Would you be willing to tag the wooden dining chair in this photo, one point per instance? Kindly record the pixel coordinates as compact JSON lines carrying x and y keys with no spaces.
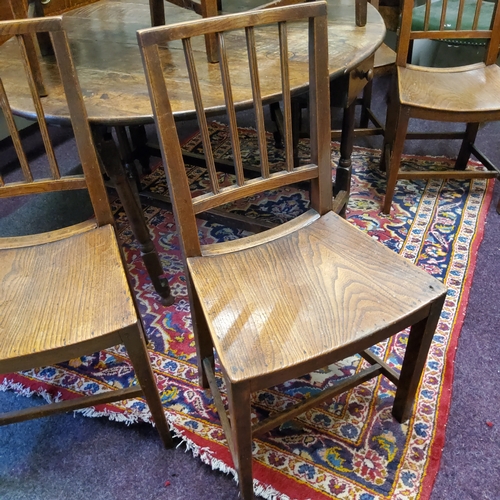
{"x":302,"y":295}
{"x":65,"y":293}
{"x":465,"y":94}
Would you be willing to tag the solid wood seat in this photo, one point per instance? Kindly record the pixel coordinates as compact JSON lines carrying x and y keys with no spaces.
{"x":51,"y":273}
{"x":468,"y":94}
{"x":65,"y":294}
{"x":328,"y":305}
{"x":467,"y":89}
{"x":384,"y":57}
{"x":279,"y":304}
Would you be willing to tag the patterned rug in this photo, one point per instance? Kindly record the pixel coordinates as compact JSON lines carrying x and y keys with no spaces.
{"x":351,"y":447}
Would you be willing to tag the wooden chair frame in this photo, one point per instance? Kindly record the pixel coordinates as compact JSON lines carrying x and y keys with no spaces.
{"x":43,"y":341}
{"x":433,"y":98}
{"x":247,"y":296}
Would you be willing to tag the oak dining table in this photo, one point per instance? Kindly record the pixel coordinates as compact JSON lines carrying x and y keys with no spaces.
{"x":104,"y":47}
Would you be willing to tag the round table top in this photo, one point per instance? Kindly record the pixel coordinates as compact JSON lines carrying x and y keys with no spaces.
{"x":104,"y":46}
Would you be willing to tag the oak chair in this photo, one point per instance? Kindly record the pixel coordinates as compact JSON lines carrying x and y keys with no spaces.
{"x":118,"y":157}
{"x":466,"y":94}
{"x":302,"y":295}
{"x":65,"y":293}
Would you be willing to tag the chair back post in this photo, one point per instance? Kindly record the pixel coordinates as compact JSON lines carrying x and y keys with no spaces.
{"x":319,"y":109}
{"x":170,"y":146}
{"x":403,"y":45}
{"x":492,"y":49}
{"x":81,"y":127}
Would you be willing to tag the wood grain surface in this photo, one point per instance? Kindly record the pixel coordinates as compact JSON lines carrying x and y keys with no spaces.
{"x":35,"y":276}
{"x":104,"y":46}
{"x":328,"y":302}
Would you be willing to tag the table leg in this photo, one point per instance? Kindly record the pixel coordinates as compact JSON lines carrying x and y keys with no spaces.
{"x":344,"y":168}
{"x":128,"y":159}
{"x":140,"y":146}
{"x":110,"y":157}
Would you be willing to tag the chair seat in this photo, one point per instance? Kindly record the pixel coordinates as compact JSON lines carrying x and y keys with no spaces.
{"x":338,"y":296}
{"x":385,"y":57}
{"x":453,"y":89}
{"x":73,"y":290}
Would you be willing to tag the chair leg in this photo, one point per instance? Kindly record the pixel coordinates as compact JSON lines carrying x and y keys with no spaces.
{"x":419,"y":341}
{"x":136,"y":347}
{"x":277,"y":119}
{"x":400,"y":127}
{"x":465,"y":149}
{"x":296,"y":128}
{"x":344,"y":168}
{"x":241,"y":430}
{"x":202,"y":338}
{"x":365,"y":104}
{"x":390,"y":121}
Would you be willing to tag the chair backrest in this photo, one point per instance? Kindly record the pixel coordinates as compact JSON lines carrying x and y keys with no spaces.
{"x":450,"y":24}
{"x":53,"y":180}
{"x":277,"y":22}
{"x":11,"y":10}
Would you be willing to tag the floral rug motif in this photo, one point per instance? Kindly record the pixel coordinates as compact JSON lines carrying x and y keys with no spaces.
{"x":350,"y":447}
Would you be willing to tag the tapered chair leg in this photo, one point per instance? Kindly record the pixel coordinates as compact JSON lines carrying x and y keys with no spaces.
{"x":136,"y":347}
{"x":465,"y":149}
{"x":419,"y":341}
{"x":241,"y":433}
{"x":202,"y":338}
{"x":366,"y":104}
{"x":401,"y":126}
{"x":390,"y":122}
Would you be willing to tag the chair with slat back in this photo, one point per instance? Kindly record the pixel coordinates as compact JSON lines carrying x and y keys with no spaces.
{"x":297,"y":297}
{"x":105,"y":142}
{"x":466,"y":94}
{"x":65,"y":293}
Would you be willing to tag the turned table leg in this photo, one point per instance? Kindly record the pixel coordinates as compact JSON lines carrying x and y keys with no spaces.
{"x":110,"y":157}
{"x":344,"y":168}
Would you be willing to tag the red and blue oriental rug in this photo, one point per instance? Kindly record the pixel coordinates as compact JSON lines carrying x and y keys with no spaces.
{"x":351,"y":447}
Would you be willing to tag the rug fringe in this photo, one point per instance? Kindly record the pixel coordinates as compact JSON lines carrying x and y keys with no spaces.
{"x":21,"y":390}
{"x":204,"y":454}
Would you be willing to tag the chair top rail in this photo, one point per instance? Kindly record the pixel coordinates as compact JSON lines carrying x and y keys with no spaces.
{"x":198,"y":27}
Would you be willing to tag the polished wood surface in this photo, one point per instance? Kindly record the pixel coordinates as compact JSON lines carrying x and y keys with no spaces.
{"x":66,"y":293}
{"x":113,"y":81}
{"x":468,"y":94}
{"x":302,"y":295}
{"x":478,"y":89}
